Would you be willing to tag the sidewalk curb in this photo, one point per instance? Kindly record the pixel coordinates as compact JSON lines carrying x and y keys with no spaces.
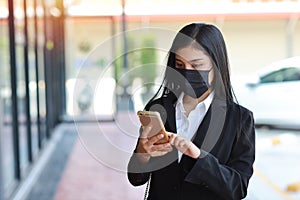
{"x":27,"y":185}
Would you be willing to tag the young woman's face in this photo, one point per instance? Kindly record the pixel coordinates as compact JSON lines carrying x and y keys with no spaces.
{"x":193,"y":59}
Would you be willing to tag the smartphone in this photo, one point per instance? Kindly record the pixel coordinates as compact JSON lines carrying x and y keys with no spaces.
{"x":153,"y":118}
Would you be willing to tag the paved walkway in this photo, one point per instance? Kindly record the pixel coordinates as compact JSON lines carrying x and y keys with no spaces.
{"x":96,"y":169}
{"x":90,"y":162}
{"x":87,"y":179}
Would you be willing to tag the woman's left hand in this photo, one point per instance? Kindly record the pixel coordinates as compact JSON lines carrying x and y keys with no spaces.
{"x":184,"y":145}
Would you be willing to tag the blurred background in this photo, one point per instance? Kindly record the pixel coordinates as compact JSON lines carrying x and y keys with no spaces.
{"x":73,"y":73}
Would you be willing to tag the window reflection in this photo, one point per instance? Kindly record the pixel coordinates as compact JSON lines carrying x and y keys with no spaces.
{"x":85,"y":63}
{"x":41,"y":71}
{"x":33,"y":109}
{"x":6,"y":138}
{"x":282,"y":75}
{"x":21,"y":84}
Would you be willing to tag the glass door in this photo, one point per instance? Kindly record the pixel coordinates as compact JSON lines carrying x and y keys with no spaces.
{"x":20,"y":45}
{"x":7,"y":160}
{"x":40,"y":70}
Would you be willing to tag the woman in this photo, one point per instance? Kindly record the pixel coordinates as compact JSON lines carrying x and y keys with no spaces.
{"x":211,"y":149}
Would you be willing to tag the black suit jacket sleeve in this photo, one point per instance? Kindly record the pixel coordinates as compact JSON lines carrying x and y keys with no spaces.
{"x":137,"y":170}
{"x":229,"y":180}
{"x":137,"y":174}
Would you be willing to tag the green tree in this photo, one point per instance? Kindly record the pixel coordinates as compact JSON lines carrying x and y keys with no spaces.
{"x":148,"y":59}
{"x":141,"y":59}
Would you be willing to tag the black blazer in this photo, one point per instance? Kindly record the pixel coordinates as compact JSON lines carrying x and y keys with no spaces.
{"x":226,"y":137}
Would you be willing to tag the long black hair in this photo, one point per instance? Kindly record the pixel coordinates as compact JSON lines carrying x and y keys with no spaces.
{"x":209,"y":39}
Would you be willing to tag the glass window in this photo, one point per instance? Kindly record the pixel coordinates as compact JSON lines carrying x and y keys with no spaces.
{"x":85,"y":62}
{"x":277,"y":76}
{"x":21,"y":84}
{"x":6,"y":138}
{"x":286,"y":74}
{"x":292,"y":74}
{"x":32,"y":76}
{"x":41,"y":71}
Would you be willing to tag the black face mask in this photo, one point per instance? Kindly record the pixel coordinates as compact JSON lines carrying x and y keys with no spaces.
{"x":192,"y":82}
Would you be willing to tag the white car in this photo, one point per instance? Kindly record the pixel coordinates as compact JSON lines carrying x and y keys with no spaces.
{"x":274,"y":95}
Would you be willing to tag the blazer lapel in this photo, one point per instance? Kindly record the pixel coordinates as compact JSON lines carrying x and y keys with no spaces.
{"x":210,"y":128}
{"x":212,"y":125}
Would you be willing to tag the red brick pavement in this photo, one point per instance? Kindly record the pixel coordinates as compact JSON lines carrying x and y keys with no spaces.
{"x":96,"y":169}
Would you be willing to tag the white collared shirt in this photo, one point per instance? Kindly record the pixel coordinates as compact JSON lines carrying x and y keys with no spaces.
{"x":188,"y":126}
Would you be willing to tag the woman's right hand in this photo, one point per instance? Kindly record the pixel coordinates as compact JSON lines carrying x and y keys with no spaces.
{"x":147,"y":148}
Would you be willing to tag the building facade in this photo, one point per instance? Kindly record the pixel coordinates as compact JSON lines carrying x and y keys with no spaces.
{"x":45,"y":45}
